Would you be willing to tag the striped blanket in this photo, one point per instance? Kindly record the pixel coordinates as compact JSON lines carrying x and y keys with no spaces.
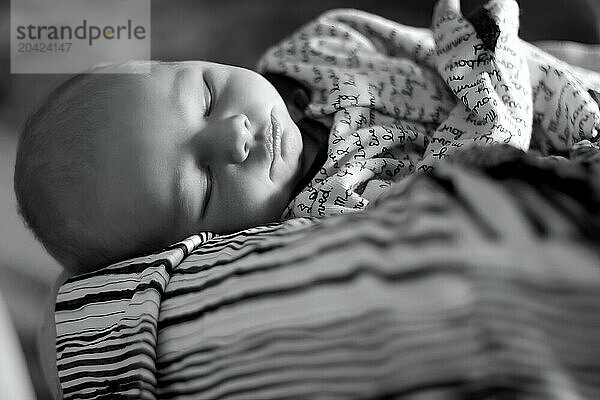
{"x":479,"y":279}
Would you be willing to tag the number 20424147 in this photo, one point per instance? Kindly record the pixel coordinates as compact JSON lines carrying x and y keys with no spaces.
{"x":29,"y":47}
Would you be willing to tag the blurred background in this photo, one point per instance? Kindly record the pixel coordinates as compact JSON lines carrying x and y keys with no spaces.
{"x":226,"y":31}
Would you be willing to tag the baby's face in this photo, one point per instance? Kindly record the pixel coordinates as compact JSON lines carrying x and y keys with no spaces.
{"x":198,"y":146}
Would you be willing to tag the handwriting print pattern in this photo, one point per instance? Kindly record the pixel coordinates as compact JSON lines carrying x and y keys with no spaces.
{"x":492,"y":87}
{"x":398,"y":99}
{"x":562,"y":105}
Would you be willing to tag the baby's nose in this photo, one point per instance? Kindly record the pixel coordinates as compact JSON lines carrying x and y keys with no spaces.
{"x":234,"y":138}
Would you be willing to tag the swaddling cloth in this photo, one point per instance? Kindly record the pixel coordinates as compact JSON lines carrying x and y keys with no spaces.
{"x":398,"y":99}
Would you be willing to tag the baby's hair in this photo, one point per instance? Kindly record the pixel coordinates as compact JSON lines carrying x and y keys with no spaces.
{"x":55,"y":164}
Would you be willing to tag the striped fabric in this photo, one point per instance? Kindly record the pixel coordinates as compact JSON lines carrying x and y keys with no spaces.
{"x":106,"y":325}
{"x":454,"y":286}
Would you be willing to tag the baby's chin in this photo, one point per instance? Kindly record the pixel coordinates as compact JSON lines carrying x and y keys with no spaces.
{"x":291,"y":146}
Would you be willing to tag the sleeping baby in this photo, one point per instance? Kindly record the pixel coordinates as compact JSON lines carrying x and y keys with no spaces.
{"x":116,"y":165}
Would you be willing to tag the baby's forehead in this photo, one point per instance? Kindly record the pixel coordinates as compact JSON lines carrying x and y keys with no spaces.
{"x":124,"y":76}
{"x":132,"y":77}
{"x":137,"y":69}
{"x":131,"y":110}
{"x":127,"y":112}
{"x":108,"y":99}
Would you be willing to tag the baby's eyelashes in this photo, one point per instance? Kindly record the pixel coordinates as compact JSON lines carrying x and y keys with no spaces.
{"x":208,"y":98}
{"x":208,"y":191}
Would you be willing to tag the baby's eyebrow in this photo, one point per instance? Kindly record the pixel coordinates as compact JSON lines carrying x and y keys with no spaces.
{"x":175,"y":93}
{"x":184,"y":84}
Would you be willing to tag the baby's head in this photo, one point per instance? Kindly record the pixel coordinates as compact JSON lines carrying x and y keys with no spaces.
{"x":115,"y":165}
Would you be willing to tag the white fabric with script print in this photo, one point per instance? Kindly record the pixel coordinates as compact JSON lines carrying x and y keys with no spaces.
{"x":397,"y":99}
